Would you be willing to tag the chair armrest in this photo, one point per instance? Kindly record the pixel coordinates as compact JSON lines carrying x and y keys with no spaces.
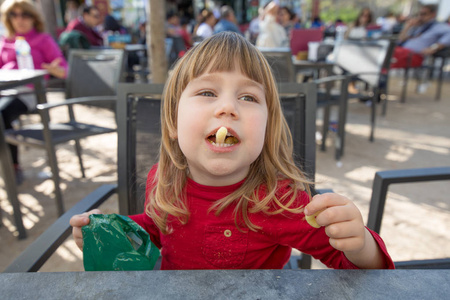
{"x":82,"y":100}
{"x":330,"y":79}
{"x":46,"y":244}
{"x":442,"y":263}
{"x":382,"y":181}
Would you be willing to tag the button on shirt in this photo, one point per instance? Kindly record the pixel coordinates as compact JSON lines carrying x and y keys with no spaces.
{"x":438,"y":33}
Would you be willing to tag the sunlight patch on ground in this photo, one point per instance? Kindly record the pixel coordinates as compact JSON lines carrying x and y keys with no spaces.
{"x":399,"y":153}
{"x":362,"y":174}
{"x":47,"y":187}
{"x":39,"y":162}
{"x":69,"y":251}
{"x":400,"y":135}
{"x":406,"y":222}
{"x":10,"y":226}
{"x":431,"y":148}
{"x":28,"y":201}
{"x":111,"y":178}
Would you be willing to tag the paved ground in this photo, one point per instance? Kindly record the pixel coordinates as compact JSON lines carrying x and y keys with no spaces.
{"x":412,"y":135}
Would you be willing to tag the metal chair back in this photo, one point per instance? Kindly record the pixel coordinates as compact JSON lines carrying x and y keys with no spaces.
{"x":366,"y":58}
{"x":94,"y":72}
{"x":280,"y":60}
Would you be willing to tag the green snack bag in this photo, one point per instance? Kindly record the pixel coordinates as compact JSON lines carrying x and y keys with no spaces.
{"x":117,"y":243}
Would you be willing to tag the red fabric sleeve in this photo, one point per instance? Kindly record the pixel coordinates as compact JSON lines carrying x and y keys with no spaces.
{"x":294,"y":231}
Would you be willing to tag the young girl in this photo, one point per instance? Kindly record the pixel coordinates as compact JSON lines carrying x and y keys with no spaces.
{"x":238,"y":201}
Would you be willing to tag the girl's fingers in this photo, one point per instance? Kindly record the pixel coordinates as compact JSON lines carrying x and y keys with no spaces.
{"x":78,"y":237}
{"x":337,"y":214}
{"x":323,"y":201}
{"x":83,"y":219}
{"x":344,"y":230}
{"x":348,"y":244}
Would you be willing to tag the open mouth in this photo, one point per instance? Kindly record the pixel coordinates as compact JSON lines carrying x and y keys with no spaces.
{"x":222,"y":138}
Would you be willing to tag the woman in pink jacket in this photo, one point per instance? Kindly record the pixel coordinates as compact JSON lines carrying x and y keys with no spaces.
{"x":21,"y":18}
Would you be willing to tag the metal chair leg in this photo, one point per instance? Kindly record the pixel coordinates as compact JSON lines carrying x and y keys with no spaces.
{"x":373,"y":110}
{"x":340,"y":142}
{"x":6,"y":166}
{"x":80,"y":160}
{"x":439,"y":82}
{"x":405,"y":84}
{"x":51,"y":153}
{"x":326,"y":125}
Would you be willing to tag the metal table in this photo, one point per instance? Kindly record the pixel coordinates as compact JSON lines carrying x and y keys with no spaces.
{"x":10,"y":79}
{"x":229,"y":284}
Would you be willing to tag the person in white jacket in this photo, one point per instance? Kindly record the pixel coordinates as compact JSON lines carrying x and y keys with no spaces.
{"x":272,"y":34}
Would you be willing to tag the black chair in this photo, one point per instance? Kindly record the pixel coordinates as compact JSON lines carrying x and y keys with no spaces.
{"x":380,"y":187}
{"x":138,"y":111}
{"x":365,"y":62}
{"x":426,"y":71}
{"x":280,"y":59}
{"x":92,"y":80}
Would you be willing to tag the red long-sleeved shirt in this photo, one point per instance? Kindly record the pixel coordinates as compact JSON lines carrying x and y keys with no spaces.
{"x":213,"y":242}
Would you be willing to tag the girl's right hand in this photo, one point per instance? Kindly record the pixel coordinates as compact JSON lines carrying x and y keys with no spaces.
{"x":79,"y":221}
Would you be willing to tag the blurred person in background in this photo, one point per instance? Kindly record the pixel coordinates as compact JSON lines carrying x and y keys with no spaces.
{"x":184,"y":32}
{"x":358,"y":30}
{"x":317,"y":22}
{"x":286,"y":18}
{"x":271,"y":33}
{"x":387,"y":22}
{"x":421,"y":35}
{"x":72,"y":11}
{"x":207,"y":22}
{"x":21,"y":18}
{"x":227,"y":21}
{"x":86,"y":24}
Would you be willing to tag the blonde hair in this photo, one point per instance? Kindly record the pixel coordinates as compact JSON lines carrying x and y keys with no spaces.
{"x":224,"y":52}
{"x":26,"y":6}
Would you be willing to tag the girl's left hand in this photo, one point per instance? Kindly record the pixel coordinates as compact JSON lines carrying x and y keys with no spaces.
{"x":342,"y":221}
{"x":54,"y":68}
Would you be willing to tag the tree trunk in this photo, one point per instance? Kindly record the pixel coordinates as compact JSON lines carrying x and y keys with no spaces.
{"x":49,"y":12}
{"x":156,"y":41}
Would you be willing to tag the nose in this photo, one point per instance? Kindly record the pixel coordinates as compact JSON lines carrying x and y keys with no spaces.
{"x":227,"y":106}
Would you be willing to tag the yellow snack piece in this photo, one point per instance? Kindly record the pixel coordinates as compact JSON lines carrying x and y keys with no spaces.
{"x":311,"y":219}
{"x":221,"y":134}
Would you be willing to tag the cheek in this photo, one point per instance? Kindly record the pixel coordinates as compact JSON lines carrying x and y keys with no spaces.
{"x":189,"y":129}
{"x":258,"y":125}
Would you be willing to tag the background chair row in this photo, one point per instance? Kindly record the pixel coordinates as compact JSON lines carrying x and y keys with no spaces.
{"x":426,"y":71}
{"x":367,"y":62}
{"x":92,"y":80}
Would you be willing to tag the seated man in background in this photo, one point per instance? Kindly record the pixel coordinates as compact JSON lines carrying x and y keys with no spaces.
{"x":421,"y":35}
{"x":86,"y":24}
{"x":227,"y":21}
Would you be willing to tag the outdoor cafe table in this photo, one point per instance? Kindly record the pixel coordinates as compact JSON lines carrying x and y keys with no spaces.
{"x":315,"y":67}
{"x":10,"y":79}
{"x":229,"y":284}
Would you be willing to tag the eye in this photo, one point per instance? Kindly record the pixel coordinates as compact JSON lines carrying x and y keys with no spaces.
{"x":207,"y":94}
{"x":248,"y":98}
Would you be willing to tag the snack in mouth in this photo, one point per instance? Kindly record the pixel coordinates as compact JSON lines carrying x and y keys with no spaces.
{"x":222,"y":138}
{"x":221,"y":134}
{"x":311,"y":219}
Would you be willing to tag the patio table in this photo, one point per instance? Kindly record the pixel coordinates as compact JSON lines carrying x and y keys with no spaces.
{"x":229,"y":284}
{"x":10,"y":79}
